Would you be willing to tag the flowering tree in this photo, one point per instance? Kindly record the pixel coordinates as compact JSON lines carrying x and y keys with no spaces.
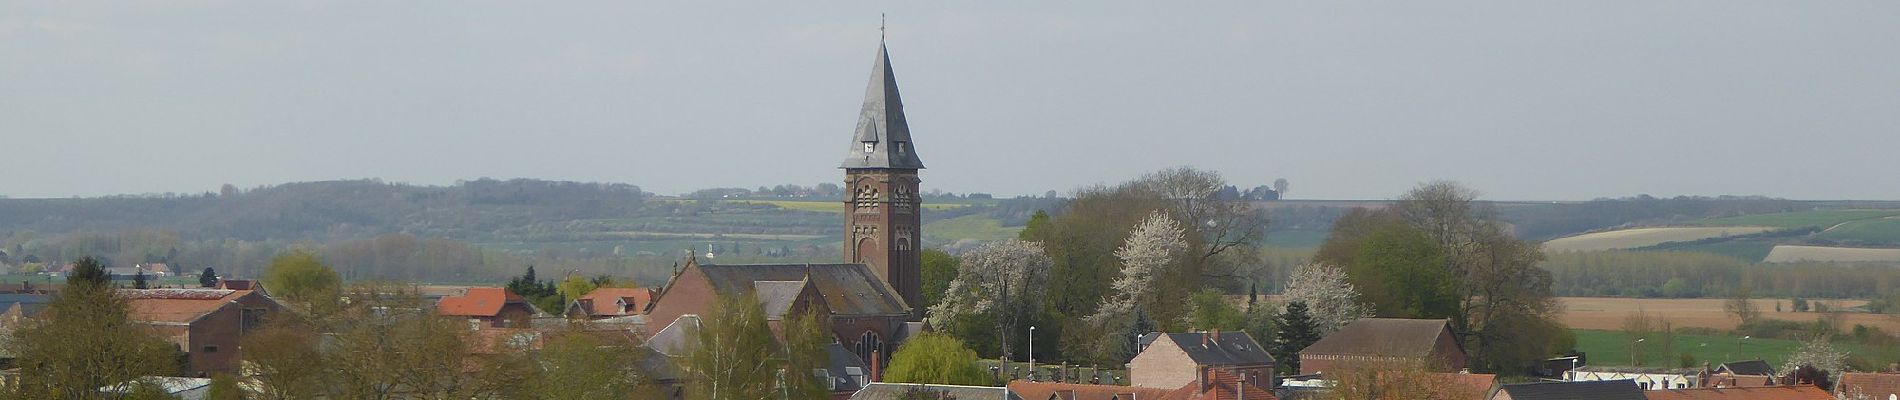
{"x":1820,"y":354}
{"x":1150,"y":249}
{"x":1330,"y":299}
{"x":1002,"y":279}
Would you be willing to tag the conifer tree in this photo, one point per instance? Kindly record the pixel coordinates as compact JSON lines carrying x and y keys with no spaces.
{"x":1297,"y":330}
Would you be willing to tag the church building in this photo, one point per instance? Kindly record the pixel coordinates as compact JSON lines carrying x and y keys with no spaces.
{"x":870,"y":296}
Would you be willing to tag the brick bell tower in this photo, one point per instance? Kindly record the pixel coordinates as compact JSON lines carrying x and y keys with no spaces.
{"x":882,"y":221}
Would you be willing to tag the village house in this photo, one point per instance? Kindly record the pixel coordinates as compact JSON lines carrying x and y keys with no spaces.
{"x":603,"y":303}
{"x":1588,"y":390}
{"x":866,"y":313}
{"x":1386,"y":340}
{"x":1172,"y":360}
{"x":1645,"y":378}
{"x":490,"y":307}
{"x":206,"y":324}
{"x":1795,"y":392}
{"x":899,"y":391}
{"x":1868,"y":385}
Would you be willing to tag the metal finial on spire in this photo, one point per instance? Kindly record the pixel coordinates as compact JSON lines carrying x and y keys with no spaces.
{"x":880,"y":27}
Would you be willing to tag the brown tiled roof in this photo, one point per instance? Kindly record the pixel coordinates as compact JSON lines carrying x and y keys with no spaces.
{"x":1583,"y":390}
{"x":1224,"y":386}
{"x":602,"y":302}
{"x":1733,"y":380}
{"x":1873,"y":385}
{"x":181,"y":306}
{"x":848,"y":289}
{"x":477,"y":302}
{"x":1076,"y":391}
{"x":1479,"y":383}
{"x":1389,"y":337}
{"x":1802,"y":392}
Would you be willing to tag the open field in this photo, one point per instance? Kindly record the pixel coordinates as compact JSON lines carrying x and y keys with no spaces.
{"x":1822,"y":219}
{"x":978,"y":226}
{"x":1612,"y":348}
{"x":1882,"y":230}
{"x":1642,"y":237}
{"x":1793,"y":253}
{"x":1607,"y":313}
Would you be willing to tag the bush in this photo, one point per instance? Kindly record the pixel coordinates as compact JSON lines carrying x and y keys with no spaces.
{"x":1773,"y":328}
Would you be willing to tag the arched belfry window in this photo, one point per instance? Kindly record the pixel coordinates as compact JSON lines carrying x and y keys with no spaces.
{"x":870,"y":147}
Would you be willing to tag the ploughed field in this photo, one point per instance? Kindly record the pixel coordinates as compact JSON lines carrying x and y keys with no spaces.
{"x":1796,"y":253}
{"x":1607,"y":313}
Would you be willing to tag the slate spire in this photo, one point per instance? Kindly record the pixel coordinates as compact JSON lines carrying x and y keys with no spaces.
{"x":883,"y":136}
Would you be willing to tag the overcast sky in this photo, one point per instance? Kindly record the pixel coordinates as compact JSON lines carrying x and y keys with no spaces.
{"x":1522,"y":100}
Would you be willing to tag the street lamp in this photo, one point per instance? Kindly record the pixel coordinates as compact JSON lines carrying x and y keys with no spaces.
{"x":1633,"y":351}
{"x":1032,"y":353}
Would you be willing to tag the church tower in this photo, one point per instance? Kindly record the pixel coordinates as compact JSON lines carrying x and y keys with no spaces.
{"x":882,"y":221}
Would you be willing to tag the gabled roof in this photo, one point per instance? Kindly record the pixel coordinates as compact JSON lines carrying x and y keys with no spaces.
{"x":777,"y":297}
{"x":1749,"y":367}
{"x":478,"y":302}
{"x":848,"y":289}
{"x":1387,"y":337}
{"x":1076,"y":391}
{"x":882,"y":124}
{"x":1585,"y":390}
{"x":1218,"y":348}
{"x":1800,"y":392}
{"x":176,"y":306}
{"x":1872,"y":384}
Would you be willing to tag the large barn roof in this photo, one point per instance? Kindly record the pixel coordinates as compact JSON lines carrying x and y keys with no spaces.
{"x":848,"y":289}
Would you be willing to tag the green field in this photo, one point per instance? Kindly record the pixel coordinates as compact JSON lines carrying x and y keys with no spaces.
{"x":1883,"y":230}
{"x":977,"y":226}
{"x":1296,"y":239}
{"x":1611,"y":348}
{"x":1753,"y":249}
{"x":1822,"y":219}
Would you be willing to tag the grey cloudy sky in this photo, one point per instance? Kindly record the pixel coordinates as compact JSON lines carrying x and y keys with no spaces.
{"x":1523,"y":100}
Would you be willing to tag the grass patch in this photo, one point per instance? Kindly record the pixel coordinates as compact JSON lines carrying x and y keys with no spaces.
{"x":1882,"y":230}
{"x":1752,"y":250}
{"x":1799,"y":219}
{"x":1611,"y":348}
{"x":976,"y":226}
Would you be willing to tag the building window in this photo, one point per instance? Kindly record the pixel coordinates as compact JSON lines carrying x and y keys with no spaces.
{"x":211,"y":349}
{"x":870,"y":342}
{"x":870,"y":147}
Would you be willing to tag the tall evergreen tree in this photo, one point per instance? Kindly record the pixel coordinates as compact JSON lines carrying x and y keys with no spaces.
{"x":208,"y":278}
{"x":1297,"y":330}
{"x":89,"y":271}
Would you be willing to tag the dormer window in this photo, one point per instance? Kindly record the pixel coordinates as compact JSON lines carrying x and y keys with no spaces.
{"x":897,"y":147}
{"x":870,"y":147}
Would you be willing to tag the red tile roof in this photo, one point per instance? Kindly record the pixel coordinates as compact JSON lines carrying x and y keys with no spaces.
{"x":1076,"y":391}
{"x":603,"y":301}
{"x":1480,"y":384}
{"x":1222,"y":387}
{"x":177,"y":305}
{"x":1871,"y":384}
{"x":477,"y":302}
{"x":1801,"y":392}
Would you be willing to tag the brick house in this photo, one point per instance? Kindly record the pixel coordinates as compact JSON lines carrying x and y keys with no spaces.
{"x":606,"y":303}
{"x":206,"y":324}
{"x":866,"y":313}
{"x":1429,"y":341}
{"x":489,"y":306}
{"x":1174,"y":360}
{"x":1872,"y":385}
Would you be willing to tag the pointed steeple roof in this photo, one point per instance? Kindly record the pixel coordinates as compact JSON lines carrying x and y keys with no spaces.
{"x":883,"y":136}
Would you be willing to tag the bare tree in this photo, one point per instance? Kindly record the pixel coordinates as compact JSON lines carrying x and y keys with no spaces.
{"x":1002,"y":279}
{"x":1329,"y":297}
{"x":1741,"y":304}
{"x":1279,"y":187}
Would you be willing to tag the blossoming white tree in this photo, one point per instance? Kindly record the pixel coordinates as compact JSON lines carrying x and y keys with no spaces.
{"x":1001,"y":279}
{"x":1152,"y":246}
{"x":1331,"y":300}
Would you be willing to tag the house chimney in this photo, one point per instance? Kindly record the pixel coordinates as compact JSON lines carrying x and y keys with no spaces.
{"x":1216,"y":336}
{"x":877,"y":373}
{"x":1203,"y":340}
